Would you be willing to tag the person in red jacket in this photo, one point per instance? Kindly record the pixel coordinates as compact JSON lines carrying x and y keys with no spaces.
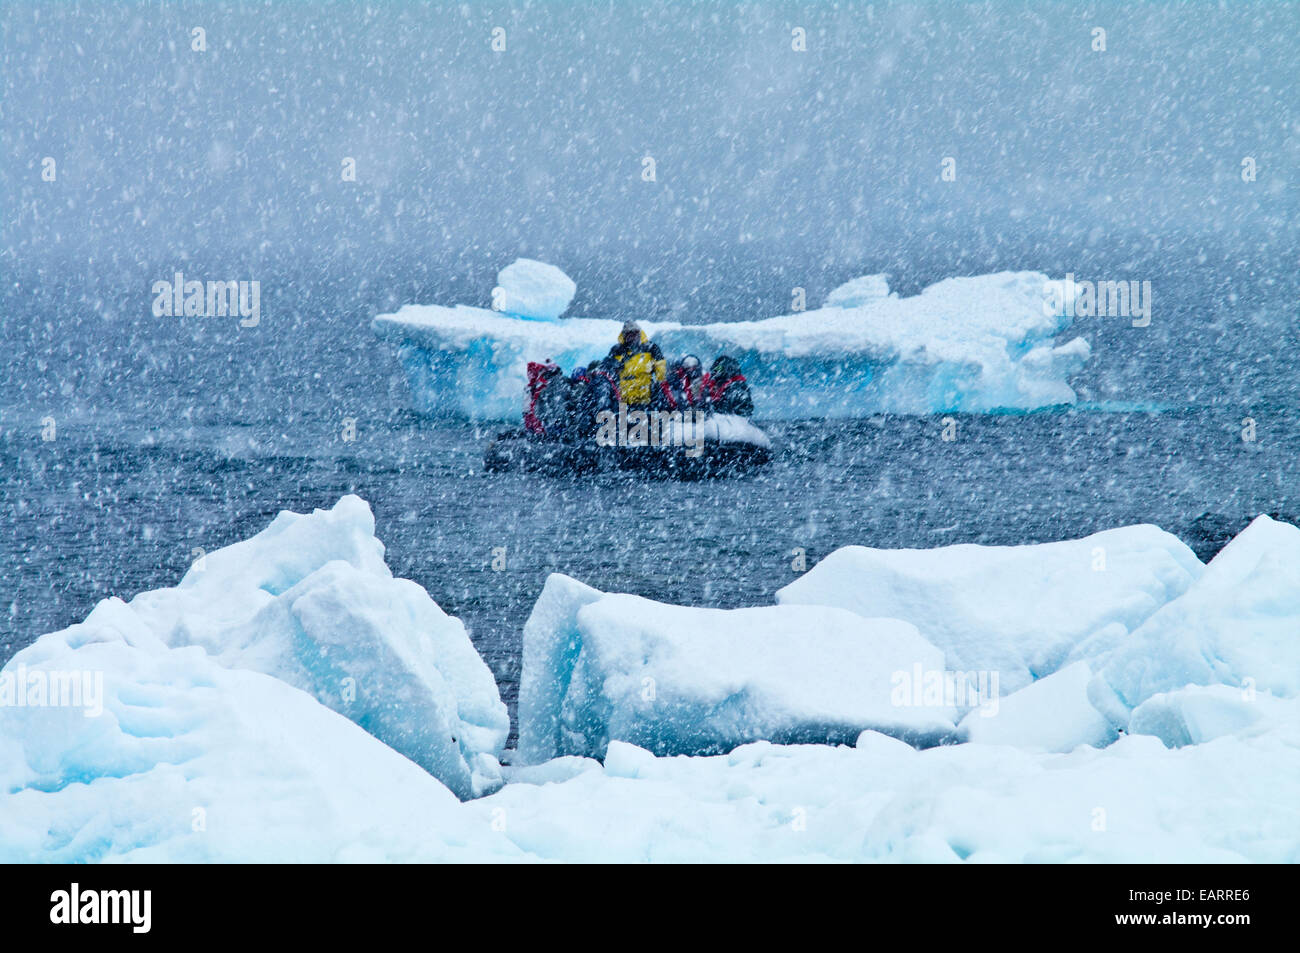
{"x":686,"y":386}
{"x":543,"y":377}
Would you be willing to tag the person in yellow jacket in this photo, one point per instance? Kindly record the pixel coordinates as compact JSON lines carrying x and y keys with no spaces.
{"x":639,"y":364}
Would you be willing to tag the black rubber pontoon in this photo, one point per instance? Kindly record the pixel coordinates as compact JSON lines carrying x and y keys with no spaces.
{"x":727,"y":445}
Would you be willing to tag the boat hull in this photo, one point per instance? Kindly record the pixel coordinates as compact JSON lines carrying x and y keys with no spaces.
{"x":733,"y":446}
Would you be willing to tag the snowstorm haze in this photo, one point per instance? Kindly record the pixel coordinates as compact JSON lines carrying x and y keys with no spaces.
{"x":771,"y":165}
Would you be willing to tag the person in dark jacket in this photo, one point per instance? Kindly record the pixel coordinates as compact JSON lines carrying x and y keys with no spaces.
{"x":537,"y":409}
{"x":728,"y":389}
{"x":554,"y":406}
{"x":593,"y":388}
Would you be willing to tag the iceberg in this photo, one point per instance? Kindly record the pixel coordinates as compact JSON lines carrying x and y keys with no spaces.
{"x":1020,"y":611}
{"x":310,"y":601}
{"x":680,"y":680}
{"x":1238,"y":625}
{"x":970,"y":344}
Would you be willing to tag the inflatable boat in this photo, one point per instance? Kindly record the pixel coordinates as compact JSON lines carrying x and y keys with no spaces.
{"x":701,"y":445}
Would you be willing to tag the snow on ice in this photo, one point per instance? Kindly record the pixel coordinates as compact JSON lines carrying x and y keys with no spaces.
{"x":1020,"y":611}
{"x":1051,"y":714}
{"x":310,"y":601}
{"x":219,"y":731}
{"x":1201,"y":713}
{"x":964,"y":344}
{"x":883,"y":800}
{"x":858,"y":292}
{"x":1239,"y":624}
{"x":533,"y":289}
{"x":192,"y":761}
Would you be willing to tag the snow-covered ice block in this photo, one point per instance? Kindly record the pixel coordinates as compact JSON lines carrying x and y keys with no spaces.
{"x":183,"y":759}
{"x":1238,"y":625}
{"x":162,"y":753}
{"x":555,"y":771}
{"x":859,"y":291}
{"x":1020,"y":611}
{"x":1201,"y":713}
{"x":1228,"y":801}
{"x":676,"y":679}
{"x":533,"y":289}
{"x":230,"y":585}
{"x":1051,"y":714}
{"x":189,"y":761}
{"x":551,"y":648}
{"x":311,"y":601}
{"x":964,"y":344}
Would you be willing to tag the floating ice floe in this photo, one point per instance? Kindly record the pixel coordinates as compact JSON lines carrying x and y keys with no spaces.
{"x":1020,"y":611}
{"x":964,"y":344}
{"x":679,"y":680}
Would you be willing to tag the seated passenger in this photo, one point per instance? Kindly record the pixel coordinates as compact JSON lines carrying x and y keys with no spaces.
{"x":728,"y":390}
{"x":592,"y":388}
{"x":545,"y":414}
{"x":686,"y":386}
{"x":604,"y":380}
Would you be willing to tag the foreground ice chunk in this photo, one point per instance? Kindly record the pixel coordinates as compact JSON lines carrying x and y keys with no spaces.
{"x":381,"y":652}
{"x":1238,"y":625}
{"x":190,"y":761}
{"x":963,"y":344}
{"x":555,"y":771}
{"x":230,"y":585}
{"x":310,"y":601}
{"x":1201,"y":713}
{"x":1134,"y":801}
{"x":675,"y":679}
{"x":533,"y":289}
{"x":1052,"y":714}
{"x":170,"y":755}
{"x":1020,"y":611}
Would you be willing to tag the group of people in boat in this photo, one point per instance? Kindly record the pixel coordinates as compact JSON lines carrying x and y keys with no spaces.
{"x":636,"y":374}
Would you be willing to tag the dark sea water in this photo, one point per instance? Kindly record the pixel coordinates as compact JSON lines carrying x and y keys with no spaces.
{"x":172,"y":436}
